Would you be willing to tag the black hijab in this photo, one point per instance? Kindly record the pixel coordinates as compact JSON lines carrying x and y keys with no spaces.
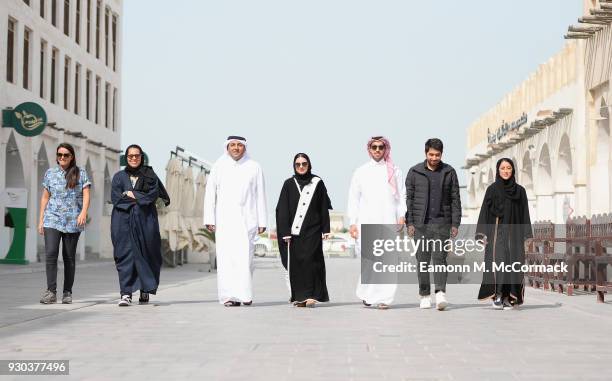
{"x":147,"y":178}
{"x":134,"y":171}
{"x":306,"y":178}
{"x":505,"y":192}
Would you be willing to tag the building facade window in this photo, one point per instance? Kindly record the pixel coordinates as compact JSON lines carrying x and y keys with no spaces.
{"x":66,"y":82}
{"x":10,"y":50}
{"x":27,"y":53}
{"x":106,"y":35}
{"x":115,"y":109}
{"x":88,"y":95}
{"x":115,"y":42}
{"x":27,"y":2}
{"x":97,"y":101}
{"x":77,"y":30}
{"x":53,"y":96}
{"x":77,"y":88}
{"x":54,"y":13}
{"x":88,"y":23}
{"x":42,"y":8}
{"x":43,"y":67}
{"x":98,"y":21}
{"x":67,"y":17}
{"x":106,"y":105}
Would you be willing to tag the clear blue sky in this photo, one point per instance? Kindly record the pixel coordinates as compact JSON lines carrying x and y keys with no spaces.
{"x":321,"y":76}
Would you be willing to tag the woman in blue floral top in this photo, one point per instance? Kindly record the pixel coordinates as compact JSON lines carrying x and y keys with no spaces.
{"x":63,"y":213}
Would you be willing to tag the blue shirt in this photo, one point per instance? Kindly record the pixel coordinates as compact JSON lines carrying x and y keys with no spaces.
{"x":64,"y":205}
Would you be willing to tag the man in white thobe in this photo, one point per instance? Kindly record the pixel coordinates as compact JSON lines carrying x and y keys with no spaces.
{"x":377,"y":196}
{"x":235,"y":209}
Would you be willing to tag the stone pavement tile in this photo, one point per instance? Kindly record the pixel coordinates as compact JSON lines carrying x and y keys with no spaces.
{"x":186,"y":333}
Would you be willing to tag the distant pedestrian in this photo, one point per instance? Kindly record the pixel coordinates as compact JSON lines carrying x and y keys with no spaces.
{"x":135,"y":227}
{"x":63,"y":215}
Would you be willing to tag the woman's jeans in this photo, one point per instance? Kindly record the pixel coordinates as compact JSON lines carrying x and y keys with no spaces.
{"x":69,"y":245}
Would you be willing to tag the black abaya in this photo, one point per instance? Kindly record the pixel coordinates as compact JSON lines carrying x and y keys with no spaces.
{"x":306,"y":263}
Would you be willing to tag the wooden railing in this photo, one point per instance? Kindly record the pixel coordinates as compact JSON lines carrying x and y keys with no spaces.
{"x":584,"y":245}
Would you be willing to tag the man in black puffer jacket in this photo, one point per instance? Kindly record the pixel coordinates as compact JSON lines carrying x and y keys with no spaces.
{"x":433,"y":213}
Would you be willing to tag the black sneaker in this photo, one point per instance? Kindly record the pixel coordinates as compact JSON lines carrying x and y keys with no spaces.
{"x":144,"y":298}
{"x":67,"y":298}
{"x":48,"y":297}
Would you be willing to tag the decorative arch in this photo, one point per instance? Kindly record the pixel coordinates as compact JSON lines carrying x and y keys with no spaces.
{"x":42,"y":165}
{"x":472,"y":193}
{"x":526,"y":174}
{"x":15,"y":177}
{"x":107,"y":187}
{"x":564,"y":167}
{"x":543,"y":185}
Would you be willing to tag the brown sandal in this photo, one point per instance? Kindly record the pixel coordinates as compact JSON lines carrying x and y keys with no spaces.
{"x":231,"y":303}
{"x":310,"y":303}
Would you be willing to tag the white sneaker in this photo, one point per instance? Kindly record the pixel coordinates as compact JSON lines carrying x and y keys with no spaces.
{"x":126,"y":300}
{"x":425,"y":302}
{"x":441,"y":302}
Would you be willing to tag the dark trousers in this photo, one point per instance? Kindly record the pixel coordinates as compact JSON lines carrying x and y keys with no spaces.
{"x":432,"y":252}
{"x":69,"y":245}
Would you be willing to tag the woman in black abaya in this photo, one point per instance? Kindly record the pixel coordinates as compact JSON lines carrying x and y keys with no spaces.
{"x":302,"y":222}
{"x":135,"y":227}
{"x":504,"y":225}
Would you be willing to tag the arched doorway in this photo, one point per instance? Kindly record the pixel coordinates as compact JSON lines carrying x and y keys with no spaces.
{"x":564,"y":181}
{"x":92,"y":233}
{"x":42,"y":165}
{"x":601,"y":185}
{"x":472,"y":202}
{"x":107,"y":191}
{"x":15,"y":178}
{"x":544,"y":186}
{"x":14,"y":167}
{"x":525,"y":178}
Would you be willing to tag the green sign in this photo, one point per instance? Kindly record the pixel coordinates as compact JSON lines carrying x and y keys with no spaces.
{"x":28,"y":119}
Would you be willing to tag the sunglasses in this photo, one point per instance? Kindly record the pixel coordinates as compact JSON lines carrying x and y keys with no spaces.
{"x":134,"y":156}
{"x":377,"y":147}
{"x":64,"y":155}
{"x":303,"y":164}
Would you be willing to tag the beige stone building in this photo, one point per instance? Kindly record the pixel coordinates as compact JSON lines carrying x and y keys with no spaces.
{"x":555,"y":125}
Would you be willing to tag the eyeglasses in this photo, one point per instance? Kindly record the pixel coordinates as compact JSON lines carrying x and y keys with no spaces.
{"x":61,"y":155}
{"x":377,"y":147}
{"x":302,"y":164}
{"x":134,"y":156}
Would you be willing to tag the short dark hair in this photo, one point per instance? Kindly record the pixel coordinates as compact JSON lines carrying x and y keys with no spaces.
{"x":434,"y":143}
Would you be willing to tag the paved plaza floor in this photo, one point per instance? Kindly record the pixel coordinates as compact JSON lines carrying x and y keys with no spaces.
{"x":186,"y":334}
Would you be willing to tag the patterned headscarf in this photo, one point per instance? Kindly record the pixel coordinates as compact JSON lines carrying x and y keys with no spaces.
{"x":388,"y":161}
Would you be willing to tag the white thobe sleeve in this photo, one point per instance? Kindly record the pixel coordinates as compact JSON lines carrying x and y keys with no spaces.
{"x":262,"y":214}
{"x":210,"y":198}
{"x":352,"y":210}
{"x":401,"y":188}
